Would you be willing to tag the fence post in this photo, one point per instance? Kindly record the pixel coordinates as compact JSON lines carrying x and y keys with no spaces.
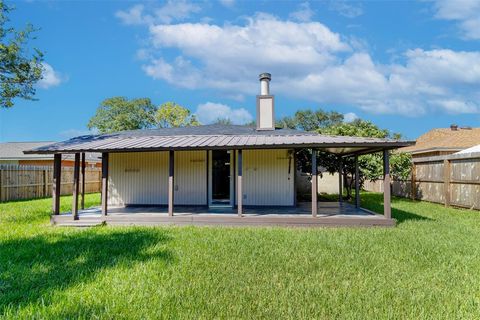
{"x":413,"y":188}
{"x":45,"y":183}
{"x":446,"y":179}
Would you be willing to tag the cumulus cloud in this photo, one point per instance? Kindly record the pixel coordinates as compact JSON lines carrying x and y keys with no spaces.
{"x":172,"y":11}
{"x":50,"y":77}
{"x":345,"y":9}
{"x":210,"y":112}
{"x":465,"y":12}
{"x":310,"y":61}
{"x":349,"y":117}
{"x":304,"y":13}
{"x":227,"y":3}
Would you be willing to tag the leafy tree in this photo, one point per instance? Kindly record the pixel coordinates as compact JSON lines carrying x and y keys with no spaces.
{"x":119,"y":114}
{"x":370,"y":165}
{"x":19,"y":70}
{"x":309,"y":120}
{"x":224,"y":121}
{"x":171,"y":115}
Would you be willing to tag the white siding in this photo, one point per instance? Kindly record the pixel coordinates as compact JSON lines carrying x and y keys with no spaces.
{"x":266,"y":178}
{"x":138,"y":178}
{"x":190,"y":178}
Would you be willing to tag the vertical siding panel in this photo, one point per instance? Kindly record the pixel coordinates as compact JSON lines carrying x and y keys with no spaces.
{"x":190,"y":178}
{"x":266,"y":178}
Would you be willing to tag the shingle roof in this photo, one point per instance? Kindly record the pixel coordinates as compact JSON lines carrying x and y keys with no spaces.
{"x":15,"y":151}
{"x":214,"y":137}
{"x":445,"y":138}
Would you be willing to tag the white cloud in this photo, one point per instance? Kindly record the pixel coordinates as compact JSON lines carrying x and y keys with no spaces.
{"x":227,"y":3}
{"x":173,"y":10}
{"x":309,"y":61}
{"x":210,"y":112}
{"x":465,"y":12}
{"x":349,"y":117}
{"x":304,"y":13}
{"x":50,"y":77}
{"x":345,"y":9}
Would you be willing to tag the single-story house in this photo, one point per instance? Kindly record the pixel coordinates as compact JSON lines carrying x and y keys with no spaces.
{"x":444,"y":141}
{"x":12,"y":153}
{"x":215,"y":174}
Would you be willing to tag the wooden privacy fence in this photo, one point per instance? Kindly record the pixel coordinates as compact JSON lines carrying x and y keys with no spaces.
{"x":453,"y":180}
{"x":27,"y":182}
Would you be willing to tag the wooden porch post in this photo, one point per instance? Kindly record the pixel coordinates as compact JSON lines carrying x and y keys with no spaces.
{"x":104,"y":183}
{"x":387,"y":210}
{"x":82,"y":202}
{"x":171,"y":170}
{"x":239,"y":183}
{"x":56,"y":183}
{"x":340,"y":177}
{"x":76,"y":184}
{"x":314,"y":183}
{"x":357,"y":183}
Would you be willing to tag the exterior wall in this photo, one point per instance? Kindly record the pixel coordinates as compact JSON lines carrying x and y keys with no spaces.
{"x":138,"y":178}
{"x":266,"y":178}
{"x":141,"y":178}
{"x":190,"y":183}
{"x":9,"y":162}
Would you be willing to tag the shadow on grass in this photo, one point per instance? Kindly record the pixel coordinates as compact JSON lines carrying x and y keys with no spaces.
{"x":31,"y":268}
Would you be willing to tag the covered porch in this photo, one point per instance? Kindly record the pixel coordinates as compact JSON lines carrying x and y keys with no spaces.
{"x":329,"y":214}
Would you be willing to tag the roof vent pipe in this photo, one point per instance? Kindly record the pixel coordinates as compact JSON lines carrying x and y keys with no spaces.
{"x":265,"y":83}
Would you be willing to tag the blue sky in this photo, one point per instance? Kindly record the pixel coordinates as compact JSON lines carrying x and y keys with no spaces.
{"x":408,"y":66}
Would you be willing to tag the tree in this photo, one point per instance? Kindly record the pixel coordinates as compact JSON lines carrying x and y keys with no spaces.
{"x":19,"y":70}
{"x":224,"y":121}
{"x":119,"y":114}
{"x":370,"y":165}
{"x":309,"y":120}
{"x":171,"y":115}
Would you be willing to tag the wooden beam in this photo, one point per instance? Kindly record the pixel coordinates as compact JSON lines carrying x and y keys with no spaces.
{"x":447,"y":180}
{"x":340,"y":177}
{"x":239,"y":184}
{"x":56,"y":183}
{"x":76,"y":184}
{"x":82,"y":202}
{"x":413,"y":188}
{"x":314,"y":183}
{"x":104,"y":183}
{"x":387,"y":210}
{"x":171,"y":170}
{"x":357,"y":183}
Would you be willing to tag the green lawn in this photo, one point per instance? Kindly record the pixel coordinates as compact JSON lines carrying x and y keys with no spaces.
{"x":426,"y":267}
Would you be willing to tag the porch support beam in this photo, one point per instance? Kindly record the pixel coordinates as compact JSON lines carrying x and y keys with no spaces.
{"x":56,"y":183}
{"x":82,"y":201}
{"x":340,"y":178}
{"x":314,"y":183}
{"x":387,"y":210}
{"x":104,"y":183}
{"x":357,"y":184}
{"x":239,"y":183}
{"x":171,"y":170}
{"x":76,"y":186}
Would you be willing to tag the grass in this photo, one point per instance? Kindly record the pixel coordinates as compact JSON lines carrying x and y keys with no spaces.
{"x":426,"y":267}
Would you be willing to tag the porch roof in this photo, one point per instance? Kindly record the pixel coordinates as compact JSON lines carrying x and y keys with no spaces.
{"x":217,"y":137}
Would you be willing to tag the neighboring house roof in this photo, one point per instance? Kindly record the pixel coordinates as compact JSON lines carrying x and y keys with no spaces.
{"x":216,"y":137}
{"x":470,"y":150}
{"x":14,"y":151}
{"x":445,"y":139}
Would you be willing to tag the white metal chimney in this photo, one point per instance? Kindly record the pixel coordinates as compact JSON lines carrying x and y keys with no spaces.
{"x":265,"y":110}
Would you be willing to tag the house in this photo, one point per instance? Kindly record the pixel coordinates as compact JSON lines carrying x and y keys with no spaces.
{"x":215,"y":174}
{"x":12,"y":153}
{"x":444,"y":141}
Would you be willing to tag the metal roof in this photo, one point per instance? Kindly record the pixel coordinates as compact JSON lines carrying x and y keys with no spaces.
{"x":14,"y":151}
{"x":216,"y":137}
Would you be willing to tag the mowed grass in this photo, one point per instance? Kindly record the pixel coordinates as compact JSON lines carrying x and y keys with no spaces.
{"x":426,"y":267}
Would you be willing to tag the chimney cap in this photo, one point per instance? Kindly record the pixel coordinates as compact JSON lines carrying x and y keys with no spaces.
{"x":265,"y":76}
